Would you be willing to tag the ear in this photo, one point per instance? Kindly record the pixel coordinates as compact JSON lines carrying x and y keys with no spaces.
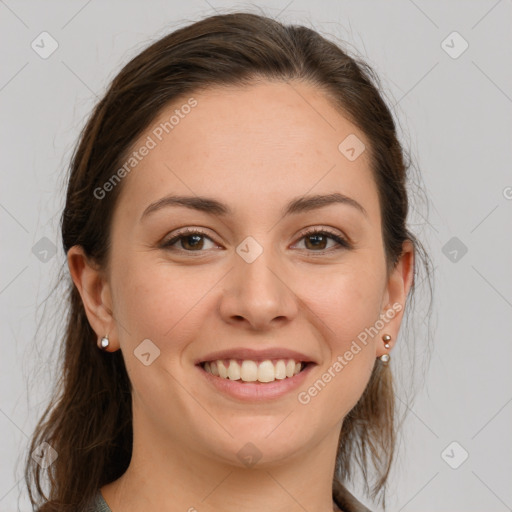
{"x":397,"y":289}
{"x":95,"y":292}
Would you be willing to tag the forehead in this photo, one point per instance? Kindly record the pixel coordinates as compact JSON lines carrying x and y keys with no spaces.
{"x":259,"y":142}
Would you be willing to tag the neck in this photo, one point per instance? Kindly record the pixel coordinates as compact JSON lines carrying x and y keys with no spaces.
{"x":171,"y":476}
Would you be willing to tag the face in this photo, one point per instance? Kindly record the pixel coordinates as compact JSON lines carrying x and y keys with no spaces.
{"x":268,"y":273}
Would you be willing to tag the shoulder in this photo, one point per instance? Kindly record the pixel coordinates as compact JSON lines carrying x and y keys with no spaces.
{"x":98,"y":504}
{"x":345,"y":500}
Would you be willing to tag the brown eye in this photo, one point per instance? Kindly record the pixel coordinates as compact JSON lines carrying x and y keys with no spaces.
{"x":192,"y":242}
{"x":189,"y":241}
{"x":317,"y":241}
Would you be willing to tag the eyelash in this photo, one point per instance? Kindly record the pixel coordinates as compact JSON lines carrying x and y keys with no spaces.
{"x":342,"y":242}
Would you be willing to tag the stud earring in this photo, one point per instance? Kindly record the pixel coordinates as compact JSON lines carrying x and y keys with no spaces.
{"x":103,"y":343}
{"x":385,"y":357}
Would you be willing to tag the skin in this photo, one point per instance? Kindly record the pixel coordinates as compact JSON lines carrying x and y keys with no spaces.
{"x":254,"y":149}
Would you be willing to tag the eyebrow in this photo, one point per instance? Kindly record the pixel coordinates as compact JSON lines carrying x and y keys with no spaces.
{"x":209,"y":205}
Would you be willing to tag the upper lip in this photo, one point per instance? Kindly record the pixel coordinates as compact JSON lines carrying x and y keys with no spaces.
{"x":256,"y":355}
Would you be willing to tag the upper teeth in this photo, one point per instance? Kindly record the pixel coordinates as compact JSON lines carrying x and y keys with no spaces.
{"x":251,"y":371}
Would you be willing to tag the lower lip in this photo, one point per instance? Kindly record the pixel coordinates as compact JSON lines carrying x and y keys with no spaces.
{"x":257,"y":391}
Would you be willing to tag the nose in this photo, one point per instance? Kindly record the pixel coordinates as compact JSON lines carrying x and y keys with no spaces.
{"x":258,"y":295}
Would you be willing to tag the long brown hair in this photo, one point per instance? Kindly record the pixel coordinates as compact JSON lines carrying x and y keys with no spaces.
{"x":89,"y":419}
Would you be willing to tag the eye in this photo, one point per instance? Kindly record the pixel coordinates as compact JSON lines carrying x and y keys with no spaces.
{"x":192,"y":240}
{"x":317,"y":239}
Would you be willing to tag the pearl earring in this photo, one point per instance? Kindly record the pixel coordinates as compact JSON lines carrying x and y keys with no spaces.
{"x":385,"y":357}
{"x":103,"y":343}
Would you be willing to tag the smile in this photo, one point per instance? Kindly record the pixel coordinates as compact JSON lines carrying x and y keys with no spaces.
{"x":271,"y":386}
{"x":253,"y":371}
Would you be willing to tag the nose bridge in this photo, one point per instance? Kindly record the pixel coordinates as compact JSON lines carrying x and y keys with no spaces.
{"x":255,"y":270}
{"x":257,"y":290}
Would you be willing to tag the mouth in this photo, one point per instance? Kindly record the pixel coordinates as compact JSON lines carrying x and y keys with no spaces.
{"x":251,"y":371}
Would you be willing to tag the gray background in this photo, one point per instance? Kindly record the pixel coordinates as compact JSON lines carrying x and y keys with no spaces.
{"x":455,"y":115}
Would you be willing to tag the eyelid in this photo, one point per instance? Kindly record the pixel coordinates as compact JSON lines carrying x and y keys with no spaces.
{"x":342,"y":241}
{"x":321,"y":229}
{"x":183,"y":232}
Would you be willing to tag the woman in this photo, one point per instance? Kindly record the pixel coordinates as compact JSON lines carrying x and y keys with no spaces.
{"x":235,"y":231}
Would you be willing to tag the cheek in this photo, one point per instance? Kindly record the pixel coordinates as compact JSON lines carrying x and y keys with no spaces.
{"x":348,"y":304}
{"x":347,"y":300}
{"x":159,"y":302}
{"x":348,"y":308}
{"x":162,"y":306}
